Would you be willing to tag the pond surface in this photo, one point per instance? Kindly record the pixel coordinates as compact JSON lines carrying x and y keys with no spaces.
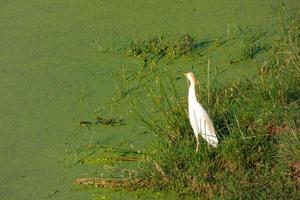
{"x":53,"y":74}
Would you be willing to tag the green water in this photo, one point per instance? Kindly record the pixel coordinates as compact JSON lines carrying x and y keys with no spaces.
{"x":52,"y":76}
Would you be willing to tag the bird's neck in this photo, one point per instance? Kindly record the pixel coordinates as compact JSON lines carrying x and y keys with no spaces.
{"x":192,"y":93}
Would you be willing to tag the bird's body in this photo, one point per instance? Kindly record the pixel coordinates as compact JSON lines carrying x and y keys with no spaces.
{"x":199,"y":118}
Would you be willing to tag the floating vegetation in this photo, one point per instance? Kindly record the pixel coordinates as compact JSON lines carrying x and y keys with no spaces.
{"x":153,"y":50}
{"x":109,"y":122}
{"x":103,"y":121}
{"x":85,"y":123}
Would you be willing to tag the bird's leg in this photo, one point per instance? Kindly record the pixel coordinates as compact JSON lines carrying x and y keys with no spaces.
{"x":197,"y":143}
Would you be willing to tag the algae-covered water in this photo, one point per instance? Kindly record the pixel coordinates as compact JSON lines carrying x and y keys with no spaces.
{"x":54,"y":73}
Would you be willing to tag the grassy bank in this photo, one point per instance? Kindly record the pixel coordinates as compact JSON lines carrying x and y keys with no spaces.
{"x":257,"y":122}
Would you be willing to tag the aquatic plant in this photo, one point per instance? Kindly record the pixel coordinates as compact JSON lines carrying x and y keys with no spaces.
{"x":151,"y":51}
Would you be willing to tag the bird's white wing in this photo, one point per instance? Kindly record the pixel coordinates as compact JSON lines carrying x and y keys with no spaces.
{"x":194,"y":121}
{"x":205,"y":125}
{"x":195,"y":114}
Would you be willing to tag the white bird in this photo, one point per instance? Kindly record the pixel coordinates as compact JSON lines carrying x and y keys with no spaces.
{"x":199,"y":119}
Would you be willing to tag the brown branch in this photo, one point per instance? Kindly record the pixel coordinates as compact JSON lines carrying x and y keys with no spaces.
{"x":113,"y":183}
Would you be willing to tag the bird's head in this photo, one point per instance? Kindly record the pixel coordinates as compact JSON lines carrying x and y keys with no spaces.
{"x":191,"y":78}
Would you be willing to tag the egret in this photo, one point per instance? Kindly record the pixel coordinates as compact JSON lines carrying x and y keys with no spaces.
{"x":199,"y":118}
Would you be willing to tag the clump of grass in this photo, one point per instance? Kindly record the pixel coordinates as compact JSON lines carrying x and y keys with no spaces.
{"x":250,"y":50}
{"x":252,"y":161}
{"x":183,"y":46}
{"x":153,"y":50}
{"x":250,"y":46}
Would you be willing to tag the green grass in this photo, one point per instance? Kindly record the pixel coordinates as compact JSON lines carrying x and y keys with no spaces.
{"x":257,"y":122}
{"x":152,"y":50}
